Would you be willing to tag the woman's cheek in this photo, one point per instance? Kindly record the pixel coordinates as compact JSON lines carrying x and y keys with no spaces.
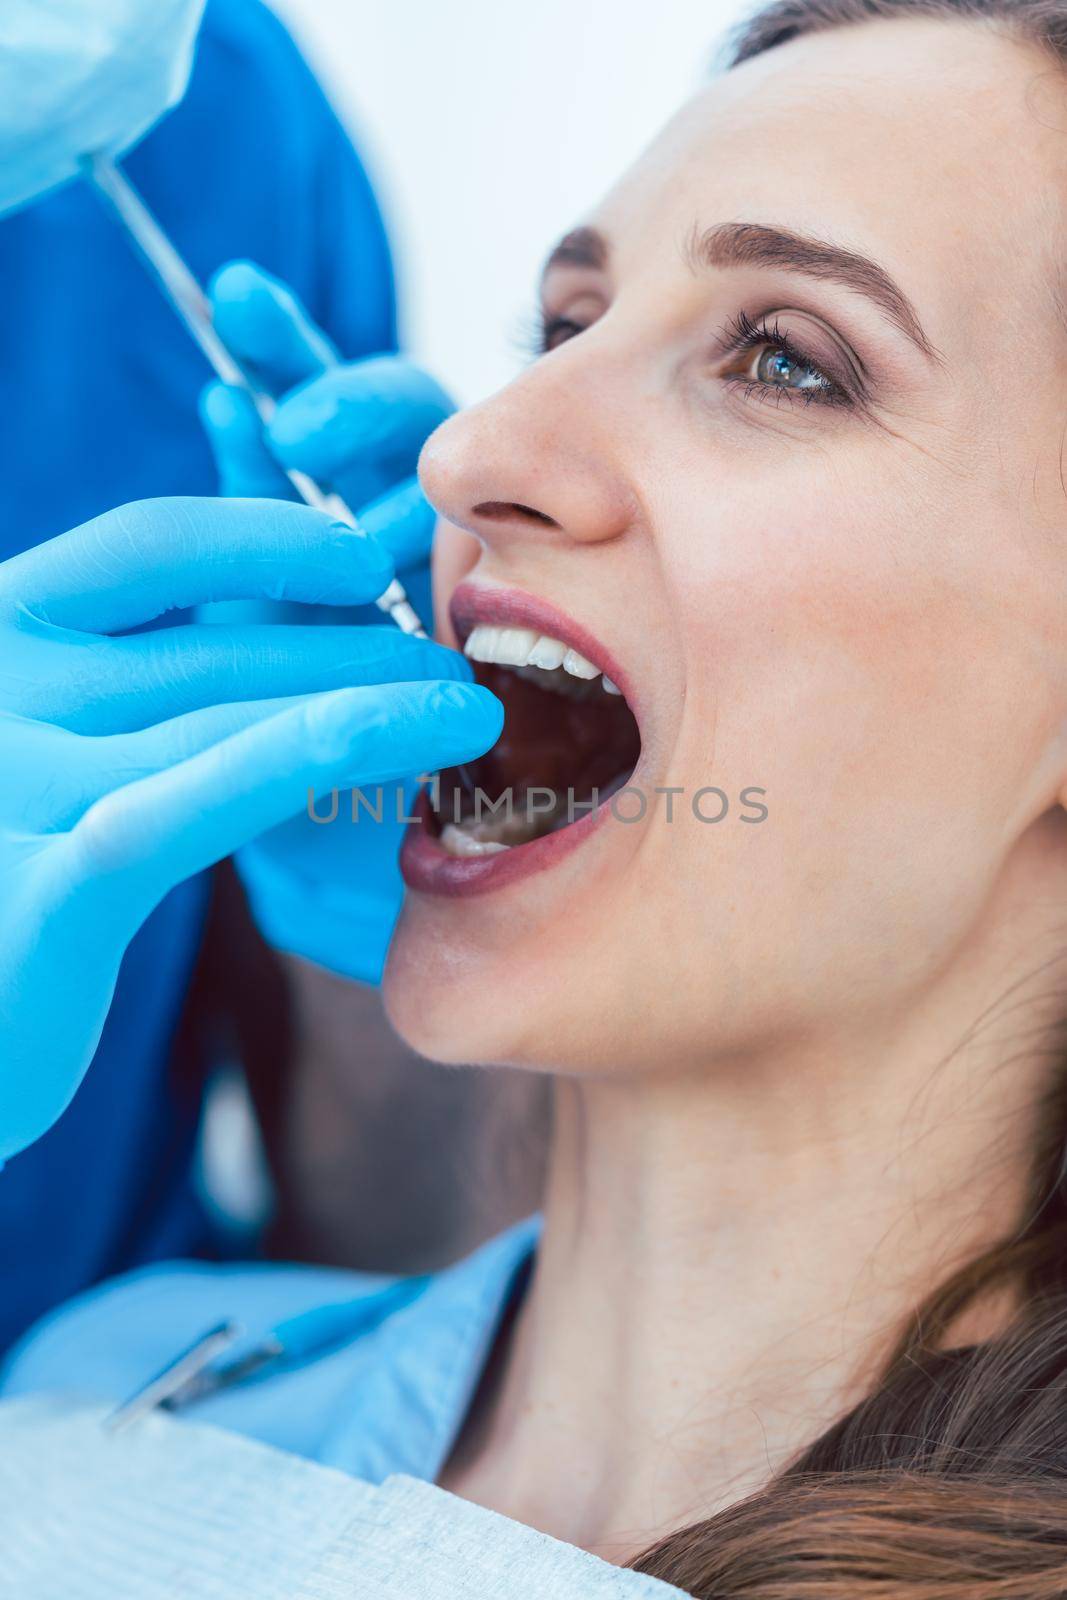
{"x":455,"y":553}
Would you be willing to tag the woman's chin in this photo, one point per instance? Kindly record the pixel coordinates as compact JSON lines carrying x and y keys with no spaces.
{"x":436,"y":999}
{"x":480,"y":1001}
{"x":531,"y":1005}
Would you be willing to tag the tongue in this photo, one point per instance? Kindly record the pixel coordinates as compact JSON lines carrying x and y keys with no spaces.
{"x":549,"y":742}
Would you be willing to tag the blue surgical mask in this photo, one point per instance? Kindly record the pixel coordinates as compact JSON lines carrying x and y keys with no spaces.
{"x":80,"y":76}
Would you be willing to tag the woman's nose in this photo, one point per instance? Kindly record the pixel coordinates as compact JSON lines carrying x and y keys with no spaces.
{"x":534,"y":461}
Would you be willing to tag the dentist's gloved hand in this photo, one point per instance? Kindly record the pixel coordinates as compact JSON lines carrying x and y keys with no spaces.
{"x":330,"y":895}
{"x":82,"y":76}
{"x":131,"y":761}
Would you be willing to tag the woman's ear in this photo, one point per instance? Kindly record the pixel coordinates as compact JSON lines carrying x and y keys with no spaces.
{"x":455,"y":553}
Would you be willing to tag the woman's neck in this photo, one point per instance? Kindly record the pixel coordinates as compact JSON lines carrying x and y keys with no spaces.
{"x":727,"y":1261}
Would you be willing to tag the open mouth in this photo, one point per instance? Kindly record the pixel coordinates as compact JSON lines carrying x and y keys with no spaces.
{"x":570,"y":740}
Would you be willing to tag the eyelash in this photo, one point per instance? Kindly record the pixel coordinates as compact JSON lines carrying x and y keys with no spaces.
{"x":740,"y":334}
{"x":537,"y":338}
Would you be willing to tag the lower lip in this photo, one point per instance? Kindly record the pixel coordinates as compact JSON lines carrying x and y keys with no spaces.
{"x":429,"y":868}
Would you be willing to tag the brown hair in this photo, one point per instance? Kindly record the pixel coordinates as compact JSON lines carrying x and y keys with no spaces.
{"x":949,"y":1482}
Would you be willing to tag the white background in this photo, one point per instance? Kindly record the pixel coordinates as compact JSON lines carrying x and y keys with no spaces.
{"x":488,"y":127}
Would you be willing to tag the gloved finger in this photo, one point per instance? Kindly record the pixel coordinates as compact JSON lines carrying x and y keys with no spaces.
{"x":131,"y":565}
{"x":93,"y":766}
{"x":359,"y":427}
{"x":246,"y":467}
{"x":164,"y":828}
{"x":263,"y":324}
{"x":119,"y":759}
{"x":45,"y":770}
{"x":149,"y":678}
{"x":403,"y":522}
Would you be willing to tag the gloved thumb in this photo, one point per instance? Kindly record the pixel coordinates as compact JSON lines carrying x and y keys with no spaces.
{"x":264,"y":325}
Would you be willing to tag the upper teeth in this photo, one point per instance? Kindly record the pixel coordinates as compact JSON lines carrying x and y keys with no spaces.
{"x":522,"y":647}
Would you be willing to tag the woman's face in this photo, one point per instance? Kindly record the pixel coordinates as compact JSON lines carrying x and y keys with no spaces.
{"x":791,"y":468}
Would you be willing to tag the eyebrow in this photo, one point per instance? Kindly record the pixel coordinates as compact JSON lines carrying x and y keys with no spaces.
{"x":740,"y":244}
{"x":582,"y":247}
{"x":749,"y":244}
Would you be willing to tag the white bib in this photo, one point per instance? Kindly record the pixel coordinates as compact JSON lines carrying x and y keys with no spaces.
{"x":171,"y":1510}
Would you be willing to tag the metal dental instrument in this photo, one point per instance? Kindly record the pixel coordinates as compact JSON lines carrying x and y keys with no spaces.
{"x":191,"y":303}
{"x":197,"y":1373}
{"x":174,"y":1377}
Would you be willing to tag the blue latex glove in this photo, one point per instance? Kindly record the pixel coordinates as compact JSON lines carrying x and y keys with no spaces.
{"x":331,"y":895}
{"x":133,"y":760}
{"x":80,"y":76}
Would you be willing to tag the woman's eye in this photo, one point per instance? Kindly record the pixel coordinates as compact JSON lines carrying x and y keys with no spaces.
{"x":767,"y":365}
{"x":556,"y":331}
{"x":778,"y":367}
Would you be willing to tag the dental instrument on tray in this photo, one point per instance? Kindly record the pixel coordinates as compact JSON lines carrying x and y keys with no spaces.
{"x":188,"y":299}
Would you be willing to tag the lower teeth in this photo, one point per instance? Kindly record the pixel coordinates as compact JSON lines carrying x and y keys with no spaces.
{"x":483,"y":835}
{"x":458,"y":842}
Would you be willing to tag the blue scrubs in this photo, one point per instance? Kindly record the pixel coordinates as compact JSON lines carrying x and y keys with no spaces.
{"x":388,"y":1391}
{"x":100,"y":387}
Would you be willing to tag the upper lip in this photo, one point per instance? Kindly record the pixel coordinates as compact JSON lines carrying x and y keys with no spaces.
{"x":473,"y":603}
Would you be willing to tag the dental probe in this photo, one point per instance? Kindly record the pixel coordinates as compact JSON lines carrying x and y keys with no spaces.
{"x":175,"y":1376}
{"x":180,"y":287}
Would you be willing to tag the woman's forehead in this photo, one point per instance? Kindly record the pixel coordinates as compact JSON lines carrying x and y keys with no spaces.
{"x":935,"y":146}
